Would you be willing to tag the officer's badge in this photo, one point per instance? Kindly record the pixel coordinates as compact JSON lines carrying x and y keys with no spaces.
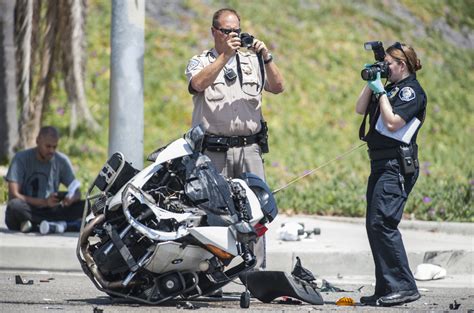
{"x":407,"y":94}
{"x":193,"y":63}
{"x":392,"y":93}
{"x":247,"y":70}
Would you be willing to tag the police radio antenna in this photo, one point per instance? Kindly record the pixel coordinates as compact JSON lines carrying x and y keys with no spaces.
{"x":339,"y":157}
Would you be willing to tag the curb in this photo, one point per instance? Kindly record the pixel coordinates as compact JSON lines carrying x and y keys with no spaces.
{"x":466,"y":229}
{"x":320,"y":263}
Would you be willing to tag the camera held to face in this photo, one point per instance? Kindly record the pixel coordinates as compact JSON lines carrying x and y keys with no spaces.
{"x":380,"y":66}
{"x":246,"y":40}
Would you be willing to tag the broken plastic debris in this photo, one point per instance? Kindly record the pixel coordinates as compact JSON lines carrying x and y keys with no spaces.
{"x":47,"y":280}
{"x":454,"y":305}
{"x":288,"y":300}
{"x":328,"y":287}
{"x":290,"y":231}
{"x":293,"y":231}
{"x":345,"y":301}
{"x":185,"y":305}
{"x":301,"y":272}
{"x":427,"y":271}
{"x":20,"y":281}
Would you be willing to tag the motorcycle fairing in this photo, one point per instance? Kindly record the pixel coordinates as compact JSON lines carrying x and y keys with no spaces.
{"x":220,"y":237}
{"x":174,"y":150}
{"x":269,"y":285}
{"x":172,"y":256}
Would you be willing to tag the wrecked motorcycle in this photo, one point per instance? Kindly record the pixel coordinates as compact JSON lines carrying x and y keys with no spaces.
{"x":176,"y":229}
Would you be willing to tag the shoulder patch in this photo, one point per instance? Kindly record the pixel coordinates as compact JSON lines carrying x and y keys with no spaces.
{"x":407,"y":94}
{"x":193,"y":63}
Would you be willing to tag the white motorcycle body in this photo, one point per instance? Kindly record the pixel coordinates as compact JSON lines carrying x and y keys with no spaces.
{"x":172,"y":229}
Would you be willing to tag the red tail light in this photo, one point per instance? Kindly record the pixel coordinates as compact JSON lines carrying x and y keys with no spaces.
{"x":260,"y":229}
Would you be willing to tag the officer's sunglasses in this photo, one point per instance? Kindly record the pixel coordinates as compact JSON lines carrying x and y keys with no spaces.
{"x":398,"y":46}
{"x":227,"y":31}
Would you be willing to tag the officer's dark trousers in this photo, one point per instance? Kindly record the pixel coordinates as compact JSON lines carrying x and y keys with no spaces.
{"x":386,"y":197}
{"x":18,"y":211}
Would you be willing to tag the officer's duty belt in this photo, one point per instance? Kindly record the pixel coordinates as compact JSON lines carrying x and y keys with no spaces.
{"x":391,"y":153}
{"x":383,"y":154}
{"x":229,"y":142}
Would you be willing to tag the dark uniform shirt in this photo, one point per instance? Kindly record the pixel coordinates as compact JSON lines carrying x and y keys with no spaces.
{"x":408,"y":100}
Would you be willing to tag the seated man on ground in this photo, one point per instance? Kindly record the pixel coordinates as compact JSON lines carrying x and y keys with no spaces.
{"x":33,"y":178}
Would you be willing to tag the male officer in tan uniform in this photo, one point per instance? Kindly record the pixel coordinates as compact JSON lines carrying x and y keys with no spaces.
{"x":226,"y":84}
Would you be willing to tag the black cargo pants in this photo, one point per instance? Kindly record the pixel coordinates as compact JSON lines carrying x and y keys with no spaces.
{"x":18,"y":211}
{"x":387,"y":193}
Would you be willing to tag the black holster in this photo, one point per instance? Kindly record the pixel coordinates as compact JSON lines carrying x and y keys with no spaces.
{"x":408,"y":159}
{"x":263,"y":137}
{"x":216,"y":144}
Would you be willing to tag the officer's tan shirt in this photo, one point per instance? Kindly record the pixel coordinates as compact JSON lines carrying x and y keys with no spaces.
{"x":225,"y":108}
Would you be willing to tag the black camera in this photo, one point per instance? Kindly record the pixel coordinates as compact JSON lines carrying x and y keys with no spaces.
{"x":246,"y":40}
{"x":61,"y":195}
{"x":370,"y":73}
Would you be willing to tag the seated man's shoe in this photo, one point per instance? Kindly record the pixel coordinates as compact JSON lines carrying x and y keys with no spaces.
{"x":369,"y":300}
{"x":52,"y":227}
{"x":26,"y":226}
{"x":398,"y":297}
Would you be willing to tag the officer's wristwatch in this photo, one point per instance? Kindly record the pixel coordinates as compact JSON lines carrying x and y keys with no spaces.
{"x":270,"y":58}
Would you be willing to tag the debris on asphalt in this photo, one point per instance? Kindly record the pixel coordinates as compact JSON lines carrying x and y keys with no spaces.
{"x":454,"y":305}
{"x":345,"y":301}
{"x":293,"y":231}
{"x":290,"y":231}
{"x":47,"y":280}
{"x":20,"y":281}
{"x":185,"y":305}
{"x":301,"y":272}
{"x":288,"y":300}
{"x":97,"y":310}
{"x":426,"y":271}
{"x":328,"y":287}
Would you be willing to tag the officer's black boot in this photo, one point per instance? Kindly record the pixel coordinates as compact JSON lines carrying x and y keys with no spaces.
{"x":369,"y":300}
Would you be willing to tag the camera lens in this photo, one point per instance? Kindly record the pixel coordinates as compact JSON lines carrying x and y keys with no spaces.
{"x":369,"y":73}
{"x":246,"y":40}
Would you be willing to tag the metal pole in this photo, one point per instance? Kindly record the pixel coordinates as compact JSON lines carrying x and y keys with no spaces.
{"x":8,"y":99}
{"x":126,"y":80}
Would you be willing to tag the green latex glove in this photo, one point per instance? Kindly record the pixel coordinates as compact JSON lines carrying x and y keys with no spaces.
{"x":376,"y":85}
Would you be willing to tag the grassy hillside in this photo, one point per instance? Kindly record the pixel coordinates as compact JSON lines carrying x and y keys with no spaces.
{"x":318,"y":46}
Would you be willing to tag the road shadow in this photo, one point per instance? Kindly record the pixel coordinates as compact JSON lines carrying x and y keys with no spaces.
{"x":106,"y":301}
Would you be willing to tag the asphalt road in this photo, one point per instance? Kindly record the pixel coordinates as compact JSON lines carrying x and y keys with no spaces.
{"x":74,"y":292}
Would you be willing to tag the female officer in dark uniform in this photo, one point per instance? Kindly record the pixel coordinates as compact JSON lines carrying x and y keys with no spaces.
{"x":394,"y":171}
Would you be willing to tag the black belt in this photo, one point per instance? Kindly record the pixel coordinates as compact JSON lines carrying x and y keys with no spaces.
{"x":383,"y":154}
{"x":230,"y":142}
{"x":392,"y":153}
